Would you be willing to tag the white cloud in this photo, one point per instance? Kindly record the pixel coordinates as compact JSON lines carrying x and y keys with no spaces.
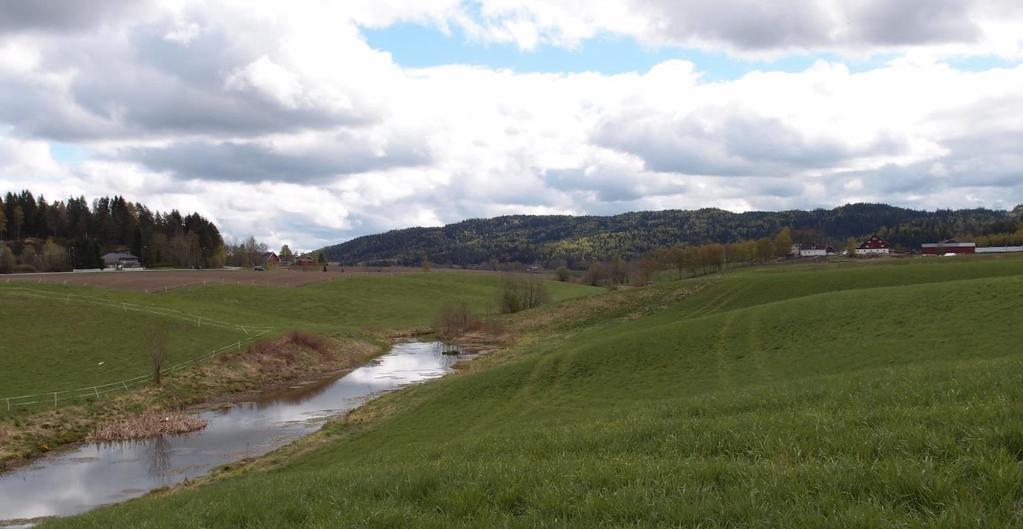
{"x":282,"y":122}
{"x":751,"y":27}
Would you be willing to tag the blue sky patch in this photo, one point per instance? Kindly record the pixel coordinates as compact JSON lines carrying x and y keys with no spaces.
{"x":418,"y":46}
{"x":68,"y":152}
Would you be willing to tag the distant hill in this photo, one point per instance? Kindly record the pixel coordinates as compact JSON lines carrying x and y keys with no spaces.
{"x":575,"y":240}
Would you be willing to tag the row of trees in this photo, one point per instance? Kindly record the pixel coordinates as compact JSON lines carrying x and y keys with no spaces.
{"x":85,"y":231}
{"x":51,"y":257}
{"x":1007,"y":238}
{"x":250,"y":252}
{"x":684,"y":259}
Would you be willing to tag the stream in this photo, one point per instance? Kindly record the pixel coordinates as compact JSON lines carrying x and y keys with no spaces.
{"x":73,"y":481}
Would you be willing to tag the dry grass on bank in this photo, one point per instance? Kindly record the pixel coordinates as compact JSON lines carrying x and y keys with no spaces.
{"x":149,"y":424}
{"x":265,"y":364}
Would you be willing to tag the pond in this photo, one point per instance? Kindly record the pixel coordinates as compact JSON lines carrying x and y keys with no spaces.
{"x":77,"y":480}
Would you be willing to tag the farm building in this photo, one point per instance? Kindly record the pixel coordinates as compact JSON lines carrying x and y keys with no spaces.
{"x":1000,"y":249}
{"x":269,"y":259}
{"x":874,"y":245}
{"x":808,"y":250}
{"x":948,"y":246}
{"x":121,"y":260}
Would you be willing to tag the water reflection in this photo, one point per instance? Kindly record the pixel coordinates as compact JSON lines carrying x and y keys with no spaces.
{"x":160,"y":463}
{"x":78,"y":480}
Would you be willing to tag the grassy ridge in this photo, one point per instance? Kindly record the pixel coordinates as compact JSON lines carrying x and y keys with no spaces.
{"x":874,"y":396}
{"x":48,"y":345}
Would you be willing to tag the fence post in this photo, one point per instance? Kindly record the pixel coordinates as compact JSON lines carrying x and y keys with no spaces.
{"x":96,"y":389}
{"x":8,"y":404}
{"x":54,"y":399}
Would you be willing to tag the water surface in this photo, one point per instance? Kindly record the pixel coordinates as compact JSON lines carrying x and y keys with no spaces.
{"x":74,"y":481}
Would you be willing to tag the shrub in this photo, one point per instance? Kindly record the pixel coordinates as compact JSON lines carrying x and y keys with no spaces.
{"x":562,"y":274}
{"x":310,"y":341}
{"x":596,"y":275}
{"x":521,"y":293}
{"x":455,"y":320}
{"x":24,"y":269}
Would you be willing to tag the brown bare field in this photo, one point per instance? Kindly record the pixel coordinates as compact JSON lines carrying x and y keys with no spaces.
{"x":163,"y":280}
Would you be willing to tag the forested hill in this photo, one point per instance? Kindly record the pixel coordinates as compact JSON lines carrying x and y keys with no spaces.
{"x":38,"y":235}
{"x":550,"y":238}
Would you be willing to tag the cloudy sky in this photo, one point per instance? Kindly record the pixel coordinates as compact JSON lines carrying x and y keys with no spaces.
{"x":314,"y":122}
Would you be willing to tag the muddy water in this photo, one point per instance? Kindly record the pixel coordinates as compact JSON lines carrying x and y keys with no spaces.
{"x":75,"y":481}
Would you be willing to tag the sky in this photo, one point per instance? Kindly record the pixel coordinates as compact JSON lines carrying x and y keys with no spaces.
{"x":314,"y":122}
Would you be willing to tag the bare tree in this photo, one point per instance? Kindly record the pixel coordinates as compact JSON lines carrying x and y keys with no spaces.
{"x":156,"y":344}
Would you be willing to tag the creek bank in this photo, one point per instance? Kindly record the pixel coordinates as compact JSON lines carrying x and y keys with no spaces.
{"x":78,"y":480}
{"x":278,"y":362}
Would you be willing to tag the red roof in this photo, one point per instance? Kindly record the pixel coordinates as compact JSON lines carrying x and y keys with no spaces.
{"x":874,"y":243}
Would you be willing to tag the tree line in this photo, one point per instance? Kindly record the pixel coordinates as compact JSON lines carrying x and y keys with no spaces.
{"x":685,"y":260}
{"x":38,"y":235}
{"x":578,"y":241}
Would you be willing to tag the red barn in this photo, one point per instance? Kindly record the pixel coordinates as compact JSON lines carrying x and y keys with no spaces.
{"x":874,"y":245}
{"x":949,"y":246}
{"x":269,"y":259}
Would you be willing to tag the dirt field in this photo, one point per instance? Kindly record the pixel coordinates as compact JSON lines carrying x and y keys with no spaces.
{"x":161,"y":280}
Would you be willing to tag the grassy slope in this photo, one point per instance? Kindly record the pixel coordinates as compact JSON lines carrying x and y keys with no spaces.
{"x":881,"y":395}
{"x":47,"y":345}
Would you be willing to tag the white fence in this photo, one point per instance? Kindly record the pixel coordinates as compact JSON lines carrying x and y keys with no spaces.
{"x":54,"y":398}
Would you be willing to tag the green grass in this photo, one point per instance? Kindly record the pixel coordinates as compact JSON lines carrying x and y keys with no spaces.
{"x":352,"y":304}
{"x":51,"y":345}
{"x":880,"y":395}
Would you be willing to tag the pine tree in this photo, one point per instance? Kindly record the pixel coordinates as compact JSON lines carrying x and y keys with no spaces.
{"x":19,"y":217}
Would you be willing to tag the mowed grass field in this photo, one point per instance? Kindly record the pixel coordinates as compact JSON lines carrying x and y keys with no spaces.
{"x":874,"y":395}
{"x":48,"y":344}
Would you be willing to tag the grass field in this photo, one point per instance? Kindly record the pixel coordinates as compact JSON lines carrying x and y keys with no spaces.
{"x":51,"y":345}
{"x":863,"y":395}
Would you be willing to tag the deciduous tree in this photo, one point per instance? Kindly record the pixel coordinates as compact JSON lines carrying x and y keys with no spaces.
{"x":7,"y":261}
{"x":286,"y":254}
{"x":54,"y":257}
